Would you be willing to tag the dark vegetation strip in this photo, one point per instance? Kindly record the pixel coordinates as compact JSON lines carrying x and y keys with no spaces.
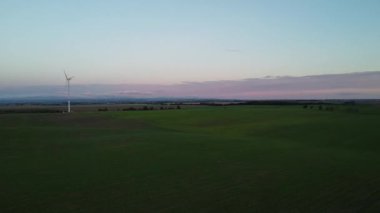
{"x":8,"y":111}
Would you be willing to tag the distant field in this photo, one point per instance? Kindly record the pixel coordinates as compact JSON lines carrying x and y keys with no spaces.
{"x":85,"y":107}
{"x":203,"y":159}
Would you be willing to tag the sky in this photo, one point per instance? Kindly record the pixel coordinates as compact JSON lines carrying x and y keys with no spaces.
{"x":363,"y":85}
{"x":173,"y":41}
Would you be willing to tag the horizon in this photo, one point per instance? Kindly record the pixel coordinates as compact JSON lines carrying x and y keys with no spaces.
{"x":358,"y":85}
{"x":168,"y":43}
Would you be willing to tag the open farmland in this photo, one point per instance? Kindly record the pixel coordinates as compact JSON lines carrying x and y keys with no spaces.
{"x":203,"y":159}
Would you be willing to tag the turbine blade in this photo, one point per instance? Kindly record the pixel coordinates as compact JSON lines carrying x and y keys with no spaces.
{"x":67,"y":78}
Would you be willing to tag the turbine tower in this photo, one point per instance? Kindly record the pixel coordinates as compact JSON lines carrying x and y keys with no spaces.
{"x":68,"y":79}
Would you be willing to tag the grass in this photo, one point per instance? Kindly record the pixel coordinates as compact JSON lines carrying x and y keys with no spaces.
{"x":206,"y":159}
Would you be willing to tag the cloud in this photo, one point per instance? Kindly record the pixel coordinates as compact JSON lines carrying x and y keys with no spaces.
{"x":364,"y":85}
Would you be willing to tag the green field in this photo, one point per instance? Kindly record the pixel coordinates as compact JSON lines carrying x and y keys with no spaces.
{"x":206,"y":159}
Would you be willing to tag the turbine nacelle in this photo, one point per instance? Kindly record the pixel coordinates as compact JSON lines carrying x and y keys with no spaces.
{"x":67,"y":77}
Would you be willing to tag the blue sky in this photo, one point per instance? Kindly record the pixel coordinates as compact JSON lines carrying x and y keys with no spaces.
{"x":166,"y":42}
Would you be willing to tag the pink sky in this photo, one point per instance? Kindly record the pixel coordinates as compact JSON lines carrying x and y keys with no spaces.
{"x":364,"y":85}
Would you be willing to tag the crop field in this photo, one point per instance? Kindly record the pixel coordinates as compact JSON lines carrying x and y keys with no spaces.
{"x":202,"y":159}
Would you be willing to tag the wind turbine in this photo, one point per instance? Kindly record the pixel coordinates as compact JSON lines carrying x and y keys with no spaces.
{"x":68,"y":79}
